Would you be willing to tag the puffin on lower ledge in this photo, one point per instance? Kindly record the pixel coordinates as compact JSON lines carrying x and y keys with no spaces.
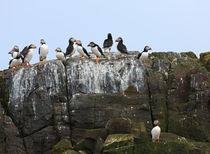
{"x":156,"y":131}
{"x":144,"y":55}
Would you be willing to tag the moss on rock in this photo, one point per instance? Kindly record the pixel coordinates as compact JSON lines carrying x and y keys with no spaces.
{"x":118,"y":140}
{"x":205,"y":59}
{"x":61,"y":146}
{"x":70,"y":152}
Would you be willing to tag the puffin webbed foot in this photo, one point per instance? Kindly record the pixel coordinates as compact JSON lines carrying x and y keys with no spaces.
{"x":97,"y":60}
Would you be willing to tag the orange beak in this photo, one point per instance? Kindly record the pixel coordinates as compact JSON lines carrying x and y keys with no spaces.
{"x":55,"y":50}
{"x":150,"y":48}
{"x":88,"y":45}
{"x":116,"y":41}
{"x":34,"y":46}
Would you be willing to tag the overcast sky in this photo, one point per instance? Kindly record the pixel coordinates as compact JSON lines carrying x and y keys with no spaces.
{"x":178,"y":25}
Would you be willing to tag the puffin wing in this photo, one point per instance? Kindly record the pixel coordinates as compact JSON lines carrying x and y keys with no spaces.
{"x":100,"y":50}
{"x":69,"y":50}
{"x":39,"y":50}
{"x":107,"y":43}
{"x":85,"y":51}
{"x":24,"y":51}
{"x":123,"y":49}
{"x":139,"y":55}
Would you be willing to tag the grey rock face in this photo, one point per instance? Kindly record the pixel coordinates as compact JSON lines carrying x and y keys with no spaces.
{"x":51,"y":101}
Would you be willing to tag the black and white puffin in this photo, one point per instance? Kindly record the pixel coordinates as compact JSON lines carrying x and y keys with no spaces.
{"x":28,"y":54}
{"x":43,"y":50}
{"x":59,"y":54}
{"x":15,"y":62}
{"x":14,"y":52}
{"x":144,"y":54}
{"x":82,"y":51}
{"x":96,"y":50}
{"x":121,"y":47}
{"x":156,"y":131}
{"x":108,"y":43}
{"x":70,"y":50}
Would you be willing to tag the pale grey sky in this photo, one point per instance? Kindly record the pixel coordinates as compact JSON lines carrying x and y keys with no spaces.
{"x":179,"y":25}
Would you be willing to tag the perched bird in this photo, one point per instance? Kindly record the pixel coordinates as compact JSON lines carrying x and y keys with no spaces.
{"x":14,"y":52}
{"x":144,"y":54}
{"x":96,"y":50}
{"x":156,"y":131}
{"x":121,"y":47}
{"x":108,"y":43}
{"x":70,"y":50}
{"x":15,"y":62}
{"x":59,"y":54}
{"x":43,"y":50}
{"x":28,"y":54}
{"x":82,"y":51}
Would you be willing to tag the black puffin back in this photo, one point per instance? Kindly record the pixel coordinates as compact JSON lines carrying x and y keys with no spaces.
{"x":70,"y":48}
{"x":122,"y":48}
{"x":108,"y":42}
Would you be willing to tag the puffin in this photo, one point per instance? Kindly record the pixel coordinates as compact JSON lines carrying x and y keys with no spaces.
{"x":43,"y":50}
{"x":70,"y":50}
{"x":156,"y":131}
{"x":144,"y":54}
{"x":108,"y":43}
{"x":14,"y":52}
{"x":96,"y":50}
{"x":121,"y":47}
{"x":28,"y":53}
{"x":15,"y":62}
{"x":82,"y":51}
{"x":59,"y":54}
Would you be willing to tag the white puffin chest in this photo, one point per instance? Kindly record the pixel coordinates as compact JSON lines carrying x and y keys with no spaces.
{"x":144,"y":55}
{"x":60,"y":56}
{"x":156,"y":132}
{"x":16,"y":62}
{"x":29,"y":55}
{"x":80,"y":50}
{"x":44,"y":50}
{"x":95,"y":51}
{"x":14,"y":55}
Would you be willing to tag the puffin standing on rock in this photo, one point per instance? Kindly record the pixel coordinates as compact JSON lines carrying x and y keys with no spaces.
{"x":14,"y":52}
{"x":108,"y":43}
{"x":15,"y":62}
{"x":121,"y":47}
{"x":28,"y":54}
{"x":70,"y":50}
{"x":96,"y":50}
{"x":82,"y":51}
{"x":43,"y":50}
{"x":144,"y":54}
{"x":156,"y":131}
{"x":59,"y":54}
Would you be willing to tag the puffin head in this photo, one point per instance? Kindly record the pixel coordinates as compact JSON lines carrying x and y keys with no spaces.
{"x":119,"y":39}
{"x":72,"y":40}
{"x":147,"y":48}
{"x":109,"y":36}
{"x":58,"y":50}
{"x":79,"y":42}
{"x":42,"y":41}
{"x":16,"y":48}
{"x":32,"y":46}
{"x":156,"y":122}
{"x":91,"y":44}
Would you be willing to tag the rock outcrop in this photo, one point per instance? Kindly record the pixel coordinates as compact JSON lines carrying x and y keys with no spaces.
{"x":53,"y":101}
